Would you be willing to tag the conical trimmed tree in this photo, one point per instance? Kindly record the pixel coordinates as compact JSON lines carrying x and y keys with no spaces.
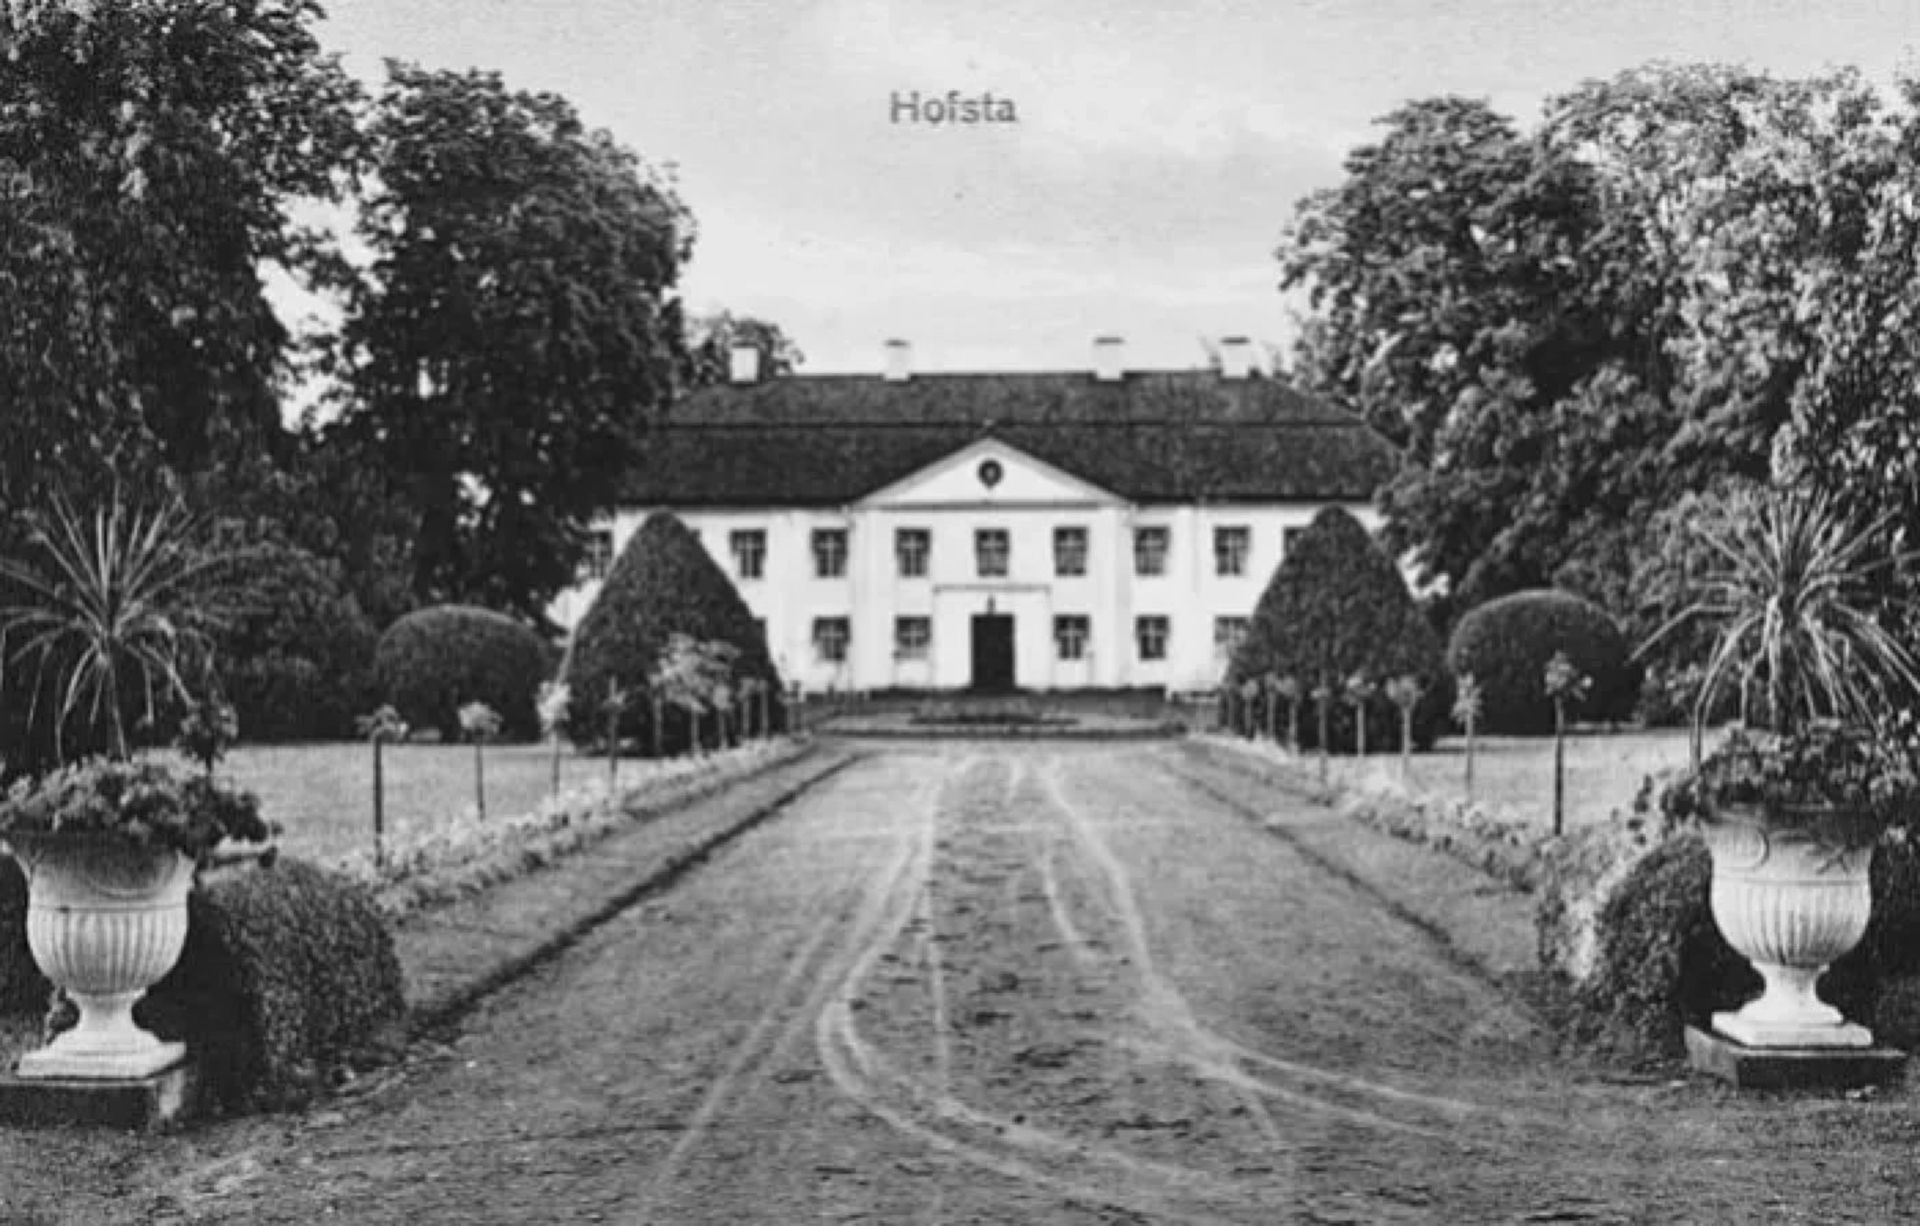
{"x":1337,"y":607}
{"x":662,"y":584}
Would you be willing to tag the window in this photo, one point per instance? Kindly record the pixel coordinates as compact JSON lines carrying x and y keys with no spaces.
{"x":1069,"y":551}
{"x":911,"y":637}
{"x":599,"y":558}
{"x":1150,"y":551}
{"x":830,"y":552}
{"x":912,"y":546}
{"x":830,"y":635}
{"x":1230,"y":550}
{"x":1287,"y":538}
{"x":1227,"y":633}
{"x":1070,"y":636}
{"x":750,"y":552}
{"x":990,"y":548}
{"x":1150,"y":633}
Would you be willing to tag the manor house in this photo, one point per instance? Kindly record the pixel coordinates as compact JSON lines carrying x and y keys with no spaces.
{"x":1104,"y":528}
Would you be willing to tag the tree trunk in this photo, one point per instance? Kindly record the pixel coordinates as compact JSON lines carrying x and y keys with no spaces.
{"x":1293,"y":724}
{"x":1273,"y":717}
{"x":1406,"y":744}
{"x":1360,"y":729}
{"x":1323,"y":743}
{"x":379,"y":811}
{"x":659,"y":727}
{"x":1559,"y":765}
{"x":1469,"y":761}
{"x":556,"y":764}
{"x":613,"y":751}
{"x":479,"y":779}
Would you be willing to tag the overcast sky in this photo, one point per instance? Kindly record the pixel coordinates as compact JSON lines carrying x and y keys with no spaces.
{"x":1158,"y":149}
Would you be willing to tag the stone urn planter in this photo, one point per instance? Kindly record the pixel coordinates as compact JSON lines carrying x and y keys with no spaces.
{"x":106,"y":920}
{"x":1790,"y":891}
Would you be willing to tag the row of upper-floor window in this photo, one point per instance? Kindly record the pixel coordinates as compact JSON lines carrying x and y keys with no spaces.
{"x":992,"y":551}
{"x":1072,"y":636}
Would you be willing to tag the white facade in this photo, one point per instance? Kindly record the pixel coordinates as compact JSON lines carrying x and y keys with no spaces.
{"x":991,"y":487}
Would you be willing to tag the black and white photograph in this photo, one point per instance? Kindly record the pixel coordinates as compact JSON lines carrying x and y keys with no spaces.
{"x":956,"y":611}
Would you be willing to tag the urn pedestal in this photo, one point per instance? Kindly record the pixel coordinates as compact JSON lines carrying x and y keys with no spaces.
{"x":106,"y":920}
{"x":1792,"y":897}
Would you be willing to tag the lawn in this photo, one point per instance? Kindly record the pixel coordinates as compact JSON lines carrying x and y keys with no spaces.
{"x":322,"y":795}
{"x":1513,"y":776}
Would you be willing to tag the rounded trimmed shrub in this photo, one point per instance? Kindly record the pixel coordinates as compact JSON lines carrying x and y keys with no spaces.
{"x":662,"y":584}
{"x":296,"y":662}
{"x":1662,"y":964}
{"x":1338,"y":606}
{"x":288,"y":976}
{"x":433,"y":661}
{"x":1506,"y":644}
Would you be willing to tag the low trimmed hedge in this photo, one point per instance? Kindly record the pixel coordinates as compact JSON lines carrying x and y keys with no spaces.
{"x":23,"y":989}
{"x":288,"y":977}
{"x":1659,"y":963}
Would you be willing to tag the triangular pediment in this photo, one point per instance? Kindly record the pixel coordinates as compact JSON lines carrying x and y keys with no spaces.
{"x":990,"y":472}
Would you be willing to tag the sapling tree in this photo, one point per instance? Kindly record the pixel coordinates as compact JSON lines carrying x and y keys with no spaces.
{"x":751,"y":691}
{"x":1360,"y":690}
{"x":1249,"y":693}
{"x":207,"y":731}
{"x":1405,"y":691}
{"x":380,"y":727}
{"x":1566,"y":685}
{"x":611,"y":708}
{"x":1290,"y":689}
{"x":1467,"y":702}
{"x":479,"y":723}
{"x":1323,"y":700}
{"x":552,"y":706}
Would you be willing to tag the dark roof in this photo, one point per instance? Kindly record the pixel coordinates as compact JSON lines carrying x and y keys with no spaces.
{"x":1162,"y":436}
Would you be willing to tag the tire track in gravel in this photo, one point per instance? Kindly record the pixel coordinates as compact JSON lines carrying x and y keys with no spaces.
{"x":1005,"y":1145}
{"x":1181,"y":1033}
{"x":816,"y":970}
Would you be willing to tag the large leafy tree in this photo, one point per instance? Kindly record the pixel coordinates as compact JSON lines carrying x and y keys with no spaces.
{"x":515,"y":331}
{"x":151,"y":155}
{"x":1564,"y":329}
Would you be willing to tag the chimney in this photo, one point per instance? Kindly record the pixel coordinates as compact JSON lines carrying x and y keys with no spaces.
{"x":743,"y":365}
{"x":899,"y":361}
{"x":1109,"y":358}
{"x":1236,"y":357}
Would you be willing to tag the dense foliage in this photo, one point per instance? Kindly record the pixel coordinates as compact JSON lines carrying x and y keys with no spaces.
{"x":151,"y":156}
{"x":1336,"y":608}
{"x":23,"y":989}
{"x":433,"y":661}
{"x":1506,"y":644}
{"x":149,"y":800}
{"x":288,"y":975}
{"x":663,"y":584}
{"x":1663,"y":964}
{"x":295,"y":654}
{"x":1567,"y":326}
{"x":515,"y":332}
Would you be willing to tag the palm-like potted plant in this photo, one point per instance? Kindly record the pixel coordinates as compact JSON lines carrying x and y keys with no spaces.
{"x":1791,"y":810}
{"x":110,"y":612}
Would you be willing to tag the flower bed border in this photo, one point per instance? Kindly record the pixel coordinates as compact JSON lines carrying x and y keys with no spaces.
{"x":578,"y":819}
{"x":1512,"y":853}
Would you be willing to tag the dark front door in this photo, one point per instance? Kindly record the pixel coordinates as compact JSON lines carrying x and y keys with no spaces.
{"x":993,"y":652}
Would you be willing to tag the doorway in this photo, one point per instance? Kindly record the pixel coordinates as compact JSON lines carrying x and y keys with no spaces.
{"x":993,"y":653}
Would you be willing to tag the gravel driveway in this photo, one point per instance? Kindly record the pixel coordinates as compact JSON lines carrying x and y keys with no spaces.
{"x":1019,"y":983}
